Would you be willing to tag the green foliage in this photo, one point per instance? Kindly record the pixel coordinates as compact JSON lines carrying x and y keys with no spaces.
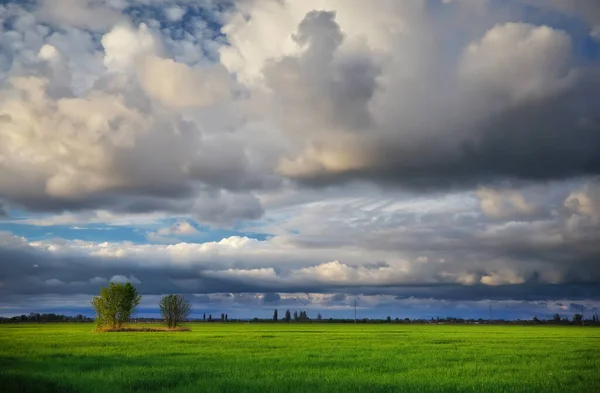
{"x":288,"y":316}
{"x":174,"y":309}
{"x":275,"y":316}
{"x":115,"y":305}
{"x":301,"y":358}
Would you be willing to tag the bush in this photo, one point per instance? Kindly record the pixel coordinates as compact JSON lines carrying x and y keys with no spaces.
{"x":174,"y":310}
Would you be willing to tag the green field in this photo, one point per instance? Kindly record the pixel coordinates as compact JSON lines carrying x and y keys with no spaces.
{"x":301,"y":358}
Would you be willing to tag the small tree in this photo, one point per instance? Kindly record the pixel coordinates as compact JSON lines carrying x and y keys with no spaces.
{"x":209,"y":317}
{"x":275,"y":316}
{"x":319,"y":317}
{"x":288,"y":316}
{"x":389,"y":319}
{"x":174,"y":309}
{"x":556,"y":318}
{"x":204,"y":317}
{"x":296,"y":316}
{"x":115,"y":305}
{"x":578,"y":319}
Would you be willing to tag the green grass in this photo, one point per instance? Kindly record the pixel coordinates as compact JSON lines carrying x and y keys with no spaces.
{"x":300,"y":358}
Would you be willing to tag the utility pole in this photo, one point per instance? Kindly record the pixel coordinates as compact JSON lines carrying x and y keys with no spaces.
{"x":355,"y":311}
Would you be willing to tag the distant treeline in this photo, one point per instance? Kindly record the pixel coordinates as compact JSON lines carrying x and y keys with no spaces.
{"x":302,"y":317}
{"x":40,"y":318}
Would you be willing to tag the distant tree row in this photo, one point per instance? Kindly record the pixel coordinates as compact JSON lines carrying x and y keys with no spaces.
{"x":298,"y":316}
{"x":301,"y":316}
{"x":577,"y":319}
{"x":44,"y":318}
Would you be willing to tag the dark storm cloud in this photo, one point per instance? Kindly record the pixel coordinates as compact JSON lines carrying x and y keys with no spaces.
{"x":271,"y":297}
{"x":29,"y":271}
{"x":527,"y":291}
{"x":549,"y":139}
{"x":448,"y":125}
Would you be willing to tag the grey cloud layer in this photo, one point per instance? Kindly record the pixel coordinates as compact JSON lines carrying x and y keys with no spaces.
{"x":427,"y":249}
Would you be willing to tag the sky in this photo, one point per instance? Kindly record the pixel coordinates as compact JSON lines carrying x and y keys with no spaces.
{"x":423,"y":158}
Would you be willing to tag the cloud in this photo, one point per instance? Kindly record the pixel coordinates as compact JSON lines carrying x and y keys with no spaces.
{"x":53,"y":282}
{"x":504,"y":203}
{"x":518,"y":61}
{"x":174,"y":13}
{"x":89,"y":14}
{"x":116,"y":140}
{"x":586,"y":201}
{"x":433,"y":248}
{"x":118,"y":279}
{"x":322,"y":96}
{"x":124,"y":45}
{"x":181,"y":228}
{"x":595,"y":33}
{"x":177,"y":85}
{"x":98,"y":281}
{"x":388,"y":110}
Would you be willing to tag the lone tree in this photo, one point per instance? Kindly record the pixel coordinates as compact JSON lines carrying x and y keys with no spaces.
{"x":275,"y":316}
{"x":115,"y":305}
{"x":174,"y":309}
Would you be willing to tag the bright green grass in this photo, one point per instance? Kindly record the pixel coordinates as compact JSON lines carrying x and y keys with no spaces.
{"x":301,"y":358}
